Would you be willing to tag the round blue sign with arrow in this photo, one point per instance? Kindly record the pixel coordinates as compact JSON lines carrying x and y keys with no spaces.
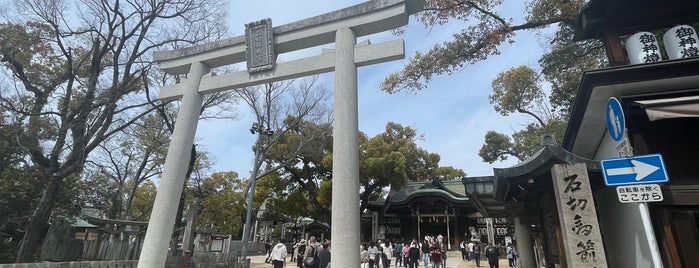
{"x":615,"y":119}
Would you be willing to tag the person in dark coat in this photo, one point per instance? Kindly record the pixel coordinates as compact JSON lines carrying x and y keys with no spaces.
{"x":324,"y":255}
{"x":413,"y":255}
{"x":492,"y":254}
{"x":300,"y":250}
{"x":477,"y":253}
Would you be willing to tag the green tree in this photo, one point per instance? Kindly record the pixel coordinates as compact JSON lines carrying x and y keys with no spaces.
{"x":565,"y":63}
{"x":387,"y":160}
{"x":142,"y":203}
{"x":485,"y":31}
{"x":306,"y":177}
{"x":17,"y":187}
{"x":391,"y":159}
{"x":78,"y":78}
{"x":222,"y":203}
{"x":519,"y":90}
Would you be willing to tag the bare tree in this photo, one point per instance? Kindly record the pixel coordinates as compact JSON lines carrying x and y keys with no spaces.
{"x":283,"y":108}
{"x":80,"y":78}
{"x":129,"y":159}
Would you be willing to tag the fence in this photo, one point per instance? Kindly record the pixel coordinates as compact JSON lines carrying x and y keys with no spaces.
{"x":198,"y":260}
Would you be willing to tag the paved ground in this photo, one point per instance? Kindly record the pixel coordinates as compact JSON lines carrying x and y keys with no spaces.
{"x":453,"y":261}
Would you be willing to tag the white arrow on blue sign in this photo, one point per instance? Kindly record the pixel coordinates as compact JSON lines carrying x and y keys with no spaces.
{"x":634,"y":170}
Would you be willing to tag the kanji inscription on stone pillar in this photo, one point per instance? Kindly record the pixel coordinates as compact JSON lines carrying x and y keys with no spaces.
{"x":582,"y":238}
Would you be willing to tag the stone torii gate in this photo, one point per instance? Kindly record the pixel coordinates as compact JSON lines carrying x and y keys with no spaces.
{"x":258,"y":46}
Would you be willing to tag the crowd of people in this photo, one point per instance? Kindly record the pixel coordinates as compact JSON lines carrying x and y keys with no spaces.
{"x":311,"y":254}
{"x":429,"y":252}
{"x":410,"y":253}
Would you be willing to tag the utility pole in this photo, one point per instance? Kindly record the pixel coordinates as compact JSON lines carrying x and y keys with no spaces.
{"x":259,"y":129}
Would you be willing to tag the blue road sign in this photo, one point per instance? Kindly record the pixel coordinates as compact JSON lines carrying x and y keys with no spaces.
{"x":615,"y":119}
{"x":634,"y":170}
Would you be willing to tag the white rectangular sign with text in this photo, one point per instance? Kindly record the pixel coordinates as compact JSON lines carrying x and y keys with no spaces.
{"x":639,"y":193}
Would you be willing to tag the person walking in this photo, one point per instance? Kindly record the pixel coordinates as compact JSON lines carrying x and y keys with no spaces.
{"x":406,"y":250}
{"x":364,"y":255}
{"x":425,"y":249}
{"x":413,"y":255}
{"x":436,"y":255}
{"x":511,"y":255}
{"x":477,"y":253}
{"x":278,"y":254}
{"x":324,"y":255}
{"x":300,"y":251}
{"x":268,"y":250}
{"x":469,"y":248}
{"x":387,"y":254}
{"x":462,"y":247}
{"x":296,"y":250}
{"x":398,"y":253}
{"x":373,"y":255}
{"x":311,"y":251}
{"x":444,"y":255}
{"x":492,"y":255}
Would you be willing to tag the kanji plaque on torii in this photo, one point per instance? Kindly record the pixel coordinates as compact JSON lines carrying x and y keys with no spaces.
{"x":341,"y":27}
{"x":259,"y":46}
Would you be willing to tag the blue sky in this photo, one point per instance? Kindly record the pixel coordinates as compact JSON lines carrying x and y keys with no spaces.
{"x":453,"y":113}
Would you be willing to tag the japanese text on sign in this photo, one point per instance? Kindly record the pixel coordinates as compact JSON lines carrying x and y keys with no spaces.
{"x":639,"y":193}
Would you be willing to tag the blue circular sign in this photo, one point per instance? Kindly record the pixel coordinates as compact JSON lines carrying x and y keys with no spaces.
{"x":615,"y":119}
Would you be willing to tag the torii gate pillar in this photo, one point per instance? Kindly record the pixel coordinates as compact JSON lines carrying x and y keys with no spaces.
{"x":165,"y":206}
{"x":345,"y":228}
{"x":342,"y":27}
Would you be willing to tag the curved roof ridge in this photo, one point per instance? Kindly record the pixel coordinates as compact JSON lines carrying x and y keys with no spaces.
{"x":429,"y":188}
{"x":542,"y":161}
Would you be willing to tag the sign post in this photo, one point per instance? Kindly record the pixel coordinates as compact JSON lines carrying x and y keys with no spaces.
{"x":635,"y":171}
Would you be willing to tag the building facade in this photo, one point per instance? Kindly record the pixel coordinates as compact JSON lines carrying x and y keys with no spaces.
{"x":431,"y":208}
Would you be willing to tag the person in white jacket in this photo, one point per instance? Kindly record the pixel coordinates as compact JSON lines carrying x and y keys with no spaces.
{"x":278,"y":254}
{"x":388,"y":254}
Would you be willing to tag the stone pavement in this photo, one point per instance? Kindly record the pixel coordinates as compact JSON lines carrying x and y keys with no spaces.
{"x":453,"y":261}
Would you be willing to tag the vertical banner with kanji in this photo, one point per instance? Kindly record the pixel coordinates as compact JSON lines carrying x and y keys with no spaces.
{"x":576,"y":210}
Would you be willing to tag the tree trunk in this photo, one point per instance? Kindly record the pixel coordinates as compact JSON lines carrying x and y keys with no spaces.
{"x":174,"y":240}
{"x":117,"y":203}
{"x":178,"y":218}
{"x":38,"y":224}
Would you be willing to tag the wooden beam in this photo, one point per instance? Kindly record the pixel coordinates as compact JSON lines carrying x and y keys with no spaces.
{"x":615,"y":53}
